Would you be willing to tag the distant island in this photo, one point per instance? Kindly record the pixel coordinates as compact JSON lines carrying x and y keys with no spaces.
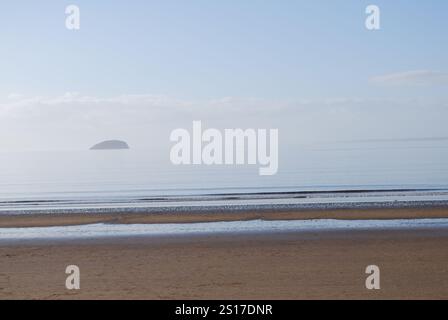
{"x":110,"y":145}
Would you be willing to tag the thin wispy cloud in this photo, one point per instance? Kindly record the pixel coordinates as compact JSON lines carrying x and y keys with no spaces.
{"x":76,"y":121}
{"x":412,"y":78}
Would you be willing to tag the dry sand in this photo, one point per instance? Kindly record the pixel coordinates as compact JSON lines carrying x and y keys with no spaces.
{"x":306,"y":265}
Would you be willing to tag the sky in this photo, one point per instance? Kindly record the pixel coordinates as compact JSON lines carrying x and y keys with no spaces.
{"x":139,"y":69}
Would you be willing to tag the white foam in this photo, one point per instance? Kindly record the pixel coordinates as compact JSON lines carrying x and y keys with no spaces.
{"x":114,"y":230}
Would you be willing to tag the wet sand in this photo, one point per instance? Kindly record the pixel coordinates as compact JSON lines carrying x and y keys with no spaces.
{"x":299,"y":265}
{"x":11,"y":220}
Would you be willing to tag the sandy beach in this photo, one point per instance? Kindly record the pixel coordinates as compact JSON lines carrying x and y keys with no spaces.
{"x":306,"y":265}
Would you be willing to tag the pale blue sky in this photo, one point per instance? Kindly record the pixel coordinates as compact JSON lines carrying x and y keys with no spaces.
{"x":309,"y":68}
{"x":212,"y":49}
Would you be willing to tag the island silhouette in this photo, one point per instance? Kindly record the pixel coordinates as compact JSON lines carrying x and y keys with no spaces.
{"x":110,"y":145}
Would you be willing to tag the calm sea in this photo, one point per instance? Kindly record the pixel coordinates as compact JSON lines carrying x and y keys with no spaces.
{"x":133,"y":174}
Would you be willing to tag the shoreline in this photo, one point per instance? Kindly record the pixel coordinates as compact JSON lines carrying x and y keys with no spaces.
{"x":281,"y":260}
{"x":362,"y":211}
{"x":117,"y":233}
{"x":248,"y":195}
